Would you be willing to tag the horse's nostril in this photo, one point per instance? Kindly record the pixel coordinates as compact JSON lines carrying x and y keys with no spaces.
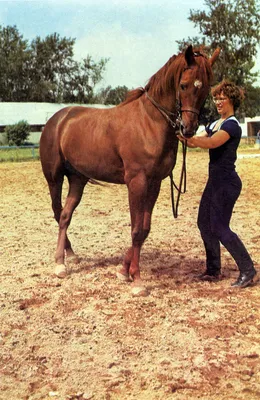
{"x":185,"y":134}
{"x":188,"y":134}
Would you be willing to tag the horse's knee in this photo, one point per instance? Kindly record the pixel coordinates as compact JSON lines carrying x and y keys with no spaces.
{"x":57,"y":214}
{"x":139,"y":236}
{"x":64,"y":220}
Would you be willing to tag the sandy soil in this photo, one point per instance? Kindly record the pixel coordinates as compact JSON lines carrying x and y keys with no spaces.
{"x":87,"y":337}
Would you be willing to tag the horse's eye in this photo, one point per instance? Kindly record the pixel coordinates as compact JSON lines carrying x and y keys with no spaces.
{"x":183,"y":87}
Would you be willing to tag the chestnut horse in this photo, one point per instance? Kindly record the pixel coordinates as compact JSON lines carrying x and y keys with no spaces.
{"x":133,"y":143}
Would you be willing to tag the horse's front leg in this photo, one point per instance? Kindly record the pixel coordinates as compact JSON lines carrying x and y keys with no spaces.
{"x":142,"y":198}
{"x":123,"y":272}
{"x":137,"y":192}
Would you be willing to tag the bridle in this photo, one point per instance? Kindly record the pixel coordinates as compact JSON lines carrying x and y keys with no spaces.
{"x":168,"y":115}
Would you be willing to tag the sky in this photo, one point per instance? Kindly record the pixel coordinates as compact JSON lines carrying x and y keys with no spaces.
{"x":138,"y":36}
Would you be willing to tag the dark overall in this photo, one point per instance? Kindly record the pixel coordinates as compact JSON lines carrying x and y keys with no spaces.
{"x":220,"y":194}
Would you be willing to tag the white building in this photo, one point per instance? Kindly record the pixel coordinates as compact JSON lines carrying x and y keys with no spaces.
{"x":37,"y":114}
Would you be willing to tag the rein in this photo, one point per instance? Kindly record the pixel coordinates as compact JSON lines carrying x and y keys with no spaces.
{"x":183,"y":182}
{"x":183,"y":178}
{"x":166,"y":113}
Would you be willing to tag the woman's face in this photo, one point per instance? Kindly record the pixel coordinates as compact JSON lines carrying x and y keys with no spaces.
{"x":223,"y":103}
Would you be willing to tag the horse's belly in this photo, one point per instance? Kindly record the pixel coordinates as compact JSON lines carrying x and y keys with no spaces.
{"x":103,"y":171}
{"x":93,"y":157}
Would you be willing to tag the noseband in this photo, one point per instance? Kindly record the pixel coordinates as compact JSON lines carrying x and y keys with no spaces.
{"x":191,"y":109}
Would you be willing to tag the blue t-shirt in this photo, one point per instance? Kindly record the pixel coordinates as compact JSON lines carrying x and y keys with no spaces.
{"x":223,"y":158}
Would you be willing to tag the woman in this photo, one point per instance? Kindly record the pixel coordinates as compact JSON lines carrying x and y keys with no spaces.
{"x":223,"y":187}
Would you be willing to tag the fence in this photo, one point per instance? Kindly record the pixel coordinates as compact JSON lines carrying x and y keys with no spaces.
{"x":250,"y":140}
{"x":19,"y":153}
{"x":31,"y":152}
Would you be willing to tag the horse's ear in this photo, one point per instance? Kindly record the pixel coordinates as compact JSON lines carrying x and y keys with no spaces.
{"x":189,"y":55}
{"x":214,"y":56}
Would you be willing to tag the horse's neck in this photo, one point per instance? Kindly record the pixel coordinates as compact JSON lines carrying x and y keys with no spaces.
{"x":165,"y":104}
{"x":169,"y":102}
{"x":165,"y":97}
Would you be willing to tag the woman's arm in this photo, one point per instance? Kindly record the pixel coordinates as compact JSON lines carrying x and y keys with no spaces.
{"x":207,"y":142}
{"x":189,"y":144}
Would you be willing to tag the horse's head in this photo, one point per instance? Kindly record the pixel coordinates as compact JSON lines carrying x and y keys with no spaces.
{"x":193,"y":88}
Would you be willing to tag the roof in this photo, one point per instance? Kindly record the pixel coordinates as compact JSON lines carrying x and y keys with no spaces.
{"x":33,"y":113}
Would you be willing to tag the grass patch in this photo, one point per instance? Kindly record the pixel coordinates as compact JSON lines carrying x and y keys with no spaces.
{"x":27,"y":153}
{"x":15,"y":154}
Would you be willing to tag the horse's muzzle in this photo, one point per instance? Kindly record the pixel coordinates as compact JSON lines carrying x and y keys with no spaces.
{"x":189,"y":122}
{"x":187,"y":132}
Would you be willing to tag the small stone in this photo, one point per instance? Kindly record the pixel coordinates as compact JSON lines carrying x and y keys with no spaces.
{"x":87,"y":396}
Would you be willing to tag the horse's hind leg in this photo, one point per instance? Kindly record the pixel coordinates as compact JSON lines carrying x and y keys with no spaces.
{"x":55,"y":188}
{"x":76,"y":187}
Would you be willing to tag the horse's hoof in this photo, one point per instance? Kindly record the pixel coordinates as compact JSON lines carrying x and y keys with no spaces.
{"x":139,"y":291}
{"x":60,"y":271}
{"x":122,"y":277}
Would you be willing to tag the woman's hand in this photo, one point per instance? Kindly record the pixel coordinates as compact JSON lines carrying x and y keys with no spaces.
{"x":208,"y":142}
{"x":188,"y":141}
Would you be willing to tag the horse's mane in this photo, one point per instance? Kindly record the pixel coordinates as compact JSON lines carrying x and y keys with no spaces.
{"x":164,"y":80}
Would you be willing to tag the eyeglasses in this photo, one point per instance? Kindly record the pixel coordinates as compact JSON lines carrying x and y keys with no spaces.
{"x":220,"y":100}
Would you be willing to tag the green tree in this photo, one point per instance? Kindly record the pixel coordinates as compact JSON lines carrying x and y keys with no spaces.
{"x":15,"y":58}
{"x":84,"y":77}
{"x":58,"y":77}
{"x":234,"y":26}
{"x":116,"y":95}
{"x":18,"y":133}
{"x":45,"y":70}
{"x":52,"y":64}
{"x":111,"y":96}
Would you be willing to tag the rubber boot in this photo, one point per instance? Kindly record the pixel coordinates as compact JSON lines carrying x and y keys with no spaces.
{"x":244,"y":262}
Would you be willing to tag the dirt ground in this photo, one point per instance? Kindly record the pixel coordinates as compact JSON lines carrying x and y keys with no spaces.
{"x":86,"y":337}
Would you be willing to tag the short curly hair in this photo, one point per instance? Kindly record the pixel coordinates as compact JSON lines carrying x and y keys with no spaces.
{"x":229,"y":89}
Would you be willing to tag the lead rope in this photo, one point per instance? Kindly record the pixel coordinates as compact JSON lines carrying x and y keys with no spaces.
{"x":183,"y":182}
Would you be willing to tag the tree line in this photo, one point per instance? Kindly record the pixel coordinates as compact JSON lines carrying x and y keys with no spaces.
{"x":234,"y":27}
{"x":44,"y":70}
